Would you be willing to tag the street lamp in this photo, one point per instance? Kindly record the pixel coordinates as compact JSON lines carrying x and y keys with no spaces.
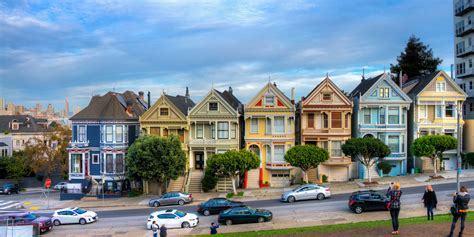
{"x":459,"y":135}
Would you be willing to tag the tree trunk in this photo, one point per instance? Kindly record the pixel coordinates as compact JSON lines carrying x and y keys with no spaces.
{"x":233,"y":184}
{"x":305,"y":176}
{"x":434,"y":165}
{"x":368,"y":173}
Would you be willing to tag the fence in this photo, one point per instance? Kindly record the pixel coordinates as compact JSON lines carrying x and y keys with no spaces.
{"x":15,"y":228}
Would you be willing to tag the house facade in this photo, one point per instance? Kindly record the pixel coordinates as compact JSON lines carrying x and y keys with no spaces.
{"x":437,"y":100}
{"x":326,"y":122}
{"x":269,"y":133}
{"x":101,"y":134}
{"x":6,"y":145}
{"x":380,"y":111}
{"x":23,"y":129}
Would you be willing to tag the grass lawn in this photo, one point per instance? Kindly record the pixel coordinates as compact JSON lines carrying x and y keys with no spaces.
{"x":231,"y":195}
{"x":339,"y":227}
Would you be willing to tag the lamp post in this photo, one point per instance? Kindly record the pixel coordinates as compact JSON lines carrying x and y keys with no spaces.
{"x":459,"y":137}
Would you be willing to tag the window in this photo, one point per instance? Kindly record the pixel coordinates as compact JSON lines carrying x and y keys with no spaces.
{"x":164,"y":112}
{"x":439,"y":111}
{"x":222,"y":130}
{"x":95,"y":158}
{"x":336,"y":120}
{"x":440,"y":86}
{"x":402,"y":140}
{"x":382,"y":137}
{"x":325,"y":121}
{"x":311,"y":120}
{"x":423,"y":113}
{"x":119,"y":134}
{"x":155,"y":131}
{"x":279,"y":124}
{"x":213,"y":131}
{"x":82,"y":133}
{"x":348,"y":118}
{"x":279,"y":153}
{"x":109,"y":163}
{"x":367,"y":116}
{"x":213,"y":106}
{"x":268,"y":127}
{"x":470,"y":63}
{"x":119,"y":163}
{"x":393,"y":115}
{"x":268,"y":152}
{"x":254,"y":125}
{"x":199,"y":130}
{"x":393,"y":143}
{"x":384,"y":92}
{"x":109,"y":136}
{"x":76,"y":163}
{"x":269,"y":100}
{"x":470,"y":85}
{"x":382,"y":116}
{"x":233,"y":129}
{"x":323,"y":144}
{"x":327,"y":96}
{"x":336,"y":148}
{"x":449,"y":111}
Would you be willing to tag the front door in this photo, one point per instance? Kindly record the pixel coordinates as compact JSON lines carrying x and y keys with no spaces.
{"x":199,"y":160}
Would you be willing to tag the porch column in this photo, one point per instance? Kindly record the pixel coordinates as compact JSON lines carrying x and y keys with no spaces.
{"x":229,"y":129}
{"x":205,"y":157}
{"x":215,"y":130}
{"x":191,"y":159}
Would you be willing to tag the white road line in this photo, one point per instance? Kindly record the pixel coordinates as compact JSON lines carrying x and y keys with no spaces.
{"x":10,"y":206}
{"x":5,"y":203}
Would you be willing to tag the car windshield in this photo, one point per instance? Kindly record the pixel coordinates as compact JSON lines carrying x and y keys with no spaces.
{"x":30,"y":217}
{"x":80,"y":211}
{"x":180,"y":213}
{"x":252,"y":210}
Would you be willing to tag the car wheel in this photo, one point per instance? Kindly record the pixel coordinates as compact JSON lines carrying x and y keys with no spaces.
{"x":156,"y":204}
{"x":207,"y":212}
{"x":228,"y":222}
{"x":320,"y":196}
{"x":181,"y":202}
{"x":82,"y":221}
{"x":358,"y":209}
{"x":57,"y":222}
{"x":291,"y":199}
{"x":9,"y":192}
{"x":260,"y":219}
{"x":185,"y":225}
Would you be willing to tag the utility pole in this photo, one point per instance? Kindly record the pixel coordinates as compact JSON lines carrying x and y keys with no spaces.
{"x":459,"y":133}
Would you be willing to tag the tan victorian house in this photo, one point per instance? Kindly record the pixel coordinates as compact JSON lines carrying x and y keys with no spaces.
{"x":326,"y":122}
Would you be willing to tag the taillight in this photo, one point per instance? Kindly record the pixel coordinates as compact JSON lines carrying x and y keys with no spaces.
{"x":351,"y":202}
{"x":328,"y":189}
{"x":190,"y":195}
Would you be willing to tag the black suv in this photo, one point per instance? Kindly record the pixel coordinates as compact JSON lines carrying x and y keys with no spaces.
{"x":367,"y":201}
{"x":216,"y":205}
{"x":9,"y":189}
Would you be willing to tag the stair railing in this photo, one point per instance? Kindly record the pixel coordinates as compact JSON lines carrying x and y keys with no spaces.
{"x":187,"y":181}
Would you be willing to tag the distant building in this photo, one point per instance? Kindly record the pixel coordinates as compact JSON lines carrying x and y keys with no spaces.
{"x":6,"y":145}
{"x":23,"y":128}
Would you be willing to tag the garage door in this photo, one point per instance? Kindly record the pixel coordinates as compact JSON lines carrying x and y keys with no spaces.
{"x":280,"y":178}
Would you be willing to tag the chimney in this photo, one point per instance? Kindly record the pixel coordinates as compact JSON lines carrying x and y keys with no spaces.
{"x":230,"y":90}
{"x":149,"y":95}
{"x":129,"y":107}
{"x":292,"y":95}
{"x":274,"y":84}
{"x":141,"y":95}
{"x":187,"y":92}
{"x":404,"y":78}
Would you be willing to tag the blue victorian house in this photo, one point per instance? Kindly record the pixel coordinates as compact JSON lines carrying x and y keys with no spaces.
{"x":101,"y":134}
{"x":380,"y":111}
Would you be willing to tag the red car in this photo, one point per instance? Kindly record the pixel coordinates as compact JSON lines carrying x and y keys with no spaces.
{"x":40,"y":223}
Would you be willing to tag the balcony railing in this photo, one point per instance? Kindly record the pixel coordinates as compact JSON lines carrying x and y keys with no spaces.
{"x":466,"y":73}
{"x":326,"y":130}
{"x":464,"y":30}
{"x":338,"y":161}
{"x":382,"y":126}
{"x":461,"y":7}
{"x":467,"y":51}
{"x":207,"y":141}
{"x":277,"y":165}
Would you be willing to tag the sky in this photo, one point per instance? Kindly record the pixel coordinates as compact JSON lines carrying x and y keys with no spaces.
{"x":50,"y":50}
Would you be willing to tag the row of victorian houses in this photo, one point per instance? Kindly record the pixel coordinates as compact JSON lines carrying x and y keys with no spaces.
{"x":270,"y":124}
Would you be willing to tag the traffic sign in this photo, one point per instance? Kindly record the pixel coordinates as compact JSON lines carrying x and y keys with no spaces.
{"x":47,"y":183}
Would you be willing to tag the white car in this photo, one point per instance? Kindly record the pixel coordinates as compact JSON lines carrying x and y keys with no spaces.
{"x":73,"y":216}
{"x":172,"y":219}
{"x":60,"y":185}
{"x":305,"y":192}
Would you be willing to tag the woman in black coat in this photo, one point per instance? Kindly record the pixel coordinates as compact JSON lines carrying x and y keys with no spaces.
{"x":430,"y":201}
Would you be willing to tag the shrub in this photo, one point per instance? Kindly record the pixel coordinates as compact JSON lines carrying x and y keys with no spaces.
{"x":135,"y":193}
{"x":325,"y":178}
{"x":209,"y":181}
{"x":468,"y":158}
{"x":384,"y":166}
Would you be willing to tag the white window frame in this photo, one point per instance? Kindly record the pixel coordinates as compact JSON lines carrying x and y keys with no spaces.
{"x":200,"y":128}
{"x":81,"y":135}
{"x":94,"y":157}
{"x":223,"y":133}
{"x":421,"y":108}
{"x":275,"y":125}
{"x":254,"y":125}
{"x":209,"y":106}
{"x":366,"y":111}
{"x":117,"y":134}
{"x":272,"y":100}
{"x":439,"y":107}
{"x":275,"y":155}
{"x":107,"y":133}
{"x":398,"y":139}
{"x":440,"y":86}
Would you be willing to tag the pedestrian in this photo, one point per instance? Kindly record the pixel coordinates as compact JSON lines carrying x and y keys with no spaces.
{"x":430,"y":201}
{"x":394,"y":206}
{"x":155,"y":228}
{"x":390,"y":186}
{"x":214,"y":228}
{"x":459,"y":209}
{"x":163,"y":232}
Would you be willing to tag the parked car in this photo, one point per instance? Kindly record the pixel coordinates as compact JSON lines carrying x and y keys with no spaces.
{"x":367,"y":201}
{"x":172,"y":219}
{"x":305,"y":192}
{"x":60,"y":185}
{"x":10,"y":188}
{"x":40,"y":223}
{"x":171,"y":198}
{"x":74,"y":216}
{"x":216,"y":205}
{"x":244,"y":215}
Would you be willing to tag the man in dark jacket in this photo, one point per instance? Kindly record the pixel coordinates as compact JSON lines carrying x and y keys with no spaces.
{"x":461,"y":201}
{"x":430,"y":201}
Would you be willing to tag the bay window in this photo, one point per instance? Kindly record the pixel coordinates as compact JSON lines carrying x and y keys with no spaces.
{"x":279,"y":153}
{"x":366,"y":116}
{"x":199,"y":130}
{"x":439,"y":111}
{"x":76,"y":163}
{"x":109,"y":163}
{"x":233,"y":131}
{"x":222,"y":130}
{"x":393,"y":143}
{"x":336,"y":120}
{"x":119,"y":134}
{"x":119,"y":163}
{"x":382,"y":116}
{"x":423,"y":112}
{"x":279,"y":124}
{"x":336,"y":148}
{"x":310,"y":120}
{"x":393,"y":115}
{"x":268,"y":127}
{"x":82,"y":134}
{"x":325,"y":120}
{"x":109,"y":136}
{"x":254,"y":125}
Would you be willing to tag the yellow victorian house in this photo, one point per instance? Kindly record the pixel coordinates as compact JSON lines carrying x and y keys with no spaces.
{"x":437,"y":99}
{"x":169,"y":116}
{"x":269,"y":132}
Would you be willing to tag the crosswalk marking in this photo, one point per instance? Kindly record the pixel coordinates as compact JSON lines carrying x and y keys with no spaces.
{"x":9,"y":204}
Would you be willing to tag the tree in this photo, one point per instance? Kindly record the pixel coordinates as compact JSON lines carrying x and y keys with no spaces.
{"x":17,"y":168}
{"x":306,"y":157}
{"x":417,"y":59}
{"x":232,"y":163}
{"x":433,"y":146}
{"x":48,"y":154}
{"x":368,"y":151}
{"x":152,"y":158}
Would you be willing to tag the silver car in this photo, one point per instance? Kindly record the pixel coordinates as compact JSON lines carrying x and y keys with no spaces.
{"x":305,"y":192}
{"x":171,"y":198}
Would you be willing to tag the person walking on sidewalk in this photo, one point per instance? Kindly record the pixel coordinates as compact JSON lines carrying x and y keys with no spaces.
{"x":459,"y":209}
{"x":430,"y":201}
{"x":163,"y":231}
{"x":214,"y":228}
{"x":155,"y":228}
{"x":394,"y":206}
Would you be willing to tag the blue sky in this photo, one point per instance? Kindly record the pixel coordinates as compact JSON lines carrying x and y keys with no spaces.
{"x":50,"y":50}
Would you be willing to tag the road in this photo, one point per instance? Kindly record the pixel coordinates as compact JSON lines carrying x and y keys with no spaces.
{"x":304,"y":213}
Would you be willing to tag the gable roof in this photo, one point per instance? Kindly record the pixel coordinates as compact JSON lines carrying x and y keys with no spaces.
{"x":230,"y":99}
{"x":327,"y":80}
{"x":183,"y":103}
{"x":417,"y":84}
{"x":365,"y":85}
{"x":271,"y":86}
{"x":27,"y":124}
{"x":112,"y":106}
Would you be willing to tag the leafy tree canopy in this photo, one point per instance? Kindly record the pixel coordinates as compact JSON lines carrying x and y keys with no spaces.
{"x":433,"y":146}
{"x":306,"y":157}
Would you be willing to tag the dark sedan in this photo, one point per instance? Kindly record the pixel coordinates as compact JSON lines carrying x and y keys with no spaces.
{"x":216,"y":205}
{"x":238,"y":215}
{"x":367,"y":201}
{"x":40,"y":223}
{"x":9,"y":189}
